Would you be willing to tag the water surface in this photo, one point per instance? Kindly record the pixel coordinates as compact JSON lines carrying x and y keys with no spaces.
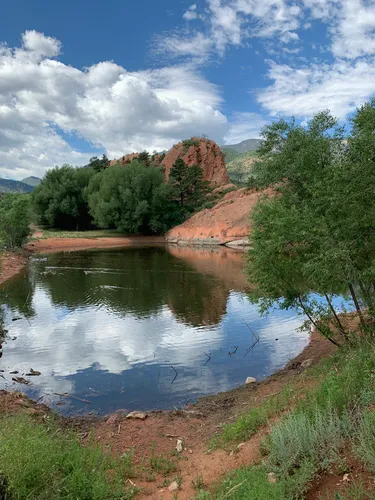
{"x":138,"y":328}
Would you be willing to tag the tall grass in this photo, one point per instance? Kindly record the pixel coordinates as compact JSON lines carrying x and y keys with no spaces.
{"x":311,"y":437}
{"x":43,"y":463}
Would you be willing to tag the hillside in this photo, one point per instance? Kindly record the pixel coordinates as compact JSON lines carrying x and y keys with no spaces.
{"x":244,"y":146}
{"x":239,"y":166}
{"x":32,"y":181}
{"x":11,"y":186}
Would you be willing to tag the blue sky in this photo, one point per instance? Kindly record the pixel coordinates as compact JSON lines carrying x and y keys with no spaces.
{"x":82,"y":78}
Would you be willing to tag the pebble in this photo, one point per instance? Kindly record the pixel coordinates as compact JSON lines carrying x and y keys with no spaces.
{"x":137,"y":415}
{"x":250,"y":380}
{"x":173,"y":486}
{"x":272,"y":477}
{"x":179,"y":446}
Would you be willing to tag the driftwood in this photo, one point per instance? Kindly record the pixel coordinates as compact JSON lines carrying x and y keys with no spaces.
{"x":73,"y":397}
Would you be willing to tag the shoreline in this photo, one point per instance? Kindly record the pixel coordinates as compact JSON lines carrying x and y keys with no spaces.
{"x":13,"y":263}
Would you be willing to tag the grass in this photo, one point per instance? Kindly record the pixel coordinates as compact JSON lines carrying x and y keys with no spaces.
{"x":248,"y":423}
{"x":198,"y":483}
{"x":45,"y":463}
{"x":97,"y":233}
{"x":161,"y":464}
{"x":310,"y":439}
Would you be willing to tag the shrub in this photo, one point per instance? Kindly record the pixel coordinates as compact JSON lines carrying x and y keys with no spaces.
{"x":14,"y":220}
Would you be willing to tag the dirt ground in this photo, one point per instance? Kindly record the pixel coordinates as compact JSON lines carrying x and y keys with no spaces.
{"x":11,"y":264}
{"x":69,"y":244}
{"x":195,"y":426}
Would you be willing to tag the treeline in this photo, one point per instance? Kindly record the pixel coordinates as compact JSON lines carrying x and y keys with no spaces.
{"x":134,"y":199}
{"x":316,"y":232}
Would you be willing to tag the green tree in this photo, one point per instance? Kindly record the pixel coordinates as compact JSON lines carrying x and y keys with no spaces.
{"x":14,"y":220}
{"x":144,"y":158}
{"x":133,"y":200}
{"x":315,"y":232}
{"x":188,"y":185}
{"x":60,"y":200}
{"x":98,"y":164}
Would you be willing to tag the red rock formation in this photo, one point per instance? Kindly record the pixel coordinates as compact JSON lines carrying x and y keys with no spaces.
{"x":202,"y":152}
{"x":197,"y":151}
{"x":227,"y":222}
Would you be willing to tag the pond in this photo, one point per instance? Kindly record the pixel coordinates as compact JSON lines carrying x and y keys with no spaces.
{"x":138,"y":328}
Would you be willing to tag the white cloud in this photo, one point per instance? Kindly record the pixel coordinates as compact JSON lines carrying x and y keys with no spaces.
{"x":109,"y":107}
{"x":303,"y":91}
{"x":244,"y":126}
{"x":40,"y":44}
{"x":231,"y":23}
{"x":191,"y":13}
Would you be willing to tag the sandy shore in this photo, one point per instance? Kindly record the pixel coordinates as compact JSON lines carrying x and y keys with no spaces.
{"x":71,"y":244}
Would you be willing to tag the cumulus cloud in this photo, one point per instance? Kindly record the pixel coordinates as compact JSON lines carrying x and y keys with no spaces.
{"x":105,"y":105}
{"x":303,"y":91}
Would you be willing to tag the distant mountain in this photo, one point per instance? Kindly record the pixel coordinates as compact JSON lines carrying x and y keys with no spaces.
{"x":10,"y":186}
{"x":32,"y":181}
{"x":244,"y":146}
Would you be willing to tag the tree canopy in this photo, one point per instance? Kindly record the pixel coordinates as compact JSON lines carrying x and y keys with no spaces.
{"x":315,"y":232}
{"x":132,"y":199}
{"x":60,"y":200}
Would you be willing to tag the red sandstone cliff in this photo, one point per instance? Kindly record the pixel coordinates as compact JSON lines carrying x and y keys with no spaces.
{"x":197,"y":151}
{"x":202,"y":152}
{"x":227,"y":222}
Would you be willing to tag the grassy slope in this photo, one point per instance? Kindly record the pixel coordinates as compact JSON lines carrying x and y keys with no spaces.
{"x":311,"y":439}
{"x":239,"y":165}
{"x":95,"y":233}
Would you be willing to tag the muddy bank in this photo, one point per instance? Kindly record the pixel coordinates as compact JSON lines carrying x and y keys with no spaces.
{"x":11,"y":264}
{"x":71,"y":244}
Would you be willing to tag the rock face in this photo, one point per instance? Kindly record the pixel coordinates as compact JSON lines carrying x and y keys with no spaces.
{"x":202,"y":152}
{"x":227,"y":222}
{"x":195,"y":151}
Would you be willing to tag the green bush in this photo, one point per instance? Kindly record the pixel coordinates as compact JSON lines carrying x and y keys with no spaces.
{"x":60,"y":200}
{"x":133,"y":199}
{"x":14,"y":220}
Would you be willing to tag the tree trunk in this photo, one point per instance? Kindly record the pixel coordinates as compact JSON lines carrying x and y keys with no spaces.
{"x":356,"y":303}
{"x":314,"y":322}
{"x":341,"y":328}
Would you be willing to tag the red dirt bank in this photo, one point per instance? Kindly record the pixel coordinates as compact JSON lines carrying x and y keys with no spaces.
{"x":228,"y":221}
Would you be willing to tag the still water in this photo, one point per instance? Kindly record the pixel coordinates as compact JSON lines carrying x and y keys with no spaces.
{"x":138,"y":328}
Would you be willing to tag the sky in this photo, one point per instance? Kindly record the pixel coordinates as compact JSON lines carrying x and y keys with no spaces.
{"x":83,"y":78}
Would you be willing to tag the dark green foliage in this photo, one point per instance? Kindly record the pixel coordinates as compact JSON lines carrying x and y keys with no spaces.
{"x":190,"y":142}
{"x":317,"y":233}
{"x":14,"y":220}
{"x":132,"y":199}
{"x":188,"y":185}
{"x":144,"y":158}
{"x":60,"y":200}
{"x":98,"y":164}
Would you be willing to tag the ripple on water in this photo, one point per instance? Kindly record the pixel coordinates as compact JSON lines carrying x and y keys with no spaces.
{"x":113,"y":326}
